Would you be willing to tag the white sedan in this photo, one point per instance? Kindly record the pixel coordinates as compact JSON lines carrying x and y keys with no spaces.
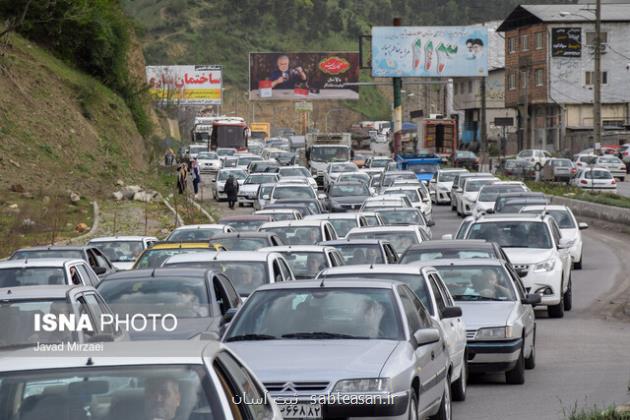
{"x":598,"y":179}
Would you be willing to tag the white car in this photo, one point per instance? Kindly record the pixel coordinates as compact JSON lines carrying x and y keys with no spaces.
{"x":417,"y":196}
{"x":333,"y":170}
{"x":122,"y":251}
{"x":357,"y":176}
{"x":401,"y":237}
{"x":470,"y":193}
{"x":489,"y":193}
{"x":197,"y":233}
{"x":595,"y":179}
{"x":218,"y":191}
{"x":45,"y":271}
{"x":243,"y":161}
{"x":535,"y":246}
{"x":281,"y":214}
{"x":381,"y":201}
{"x":292,"y":191}
{"x":535,"y":157}
{"x":458,"y":185}
{"x":569,"y":227}
{"x":342,"y":222}
{"x":248,"y":192}
{"x":584,"y":161}
{"x":209,"y":162}
{"x":380,"y":162}
{"x":306,"y":261}
{"x":429,"y":287}
{"x":297,"y":171}
{"x":616,"y":167}
{"x":196,"y":148}
{"x":301,"y":232}
{"x":441,"y":184}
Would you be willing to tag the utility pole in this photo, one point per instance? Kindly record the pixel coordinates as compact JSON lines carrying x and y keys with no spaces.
{"x":483,"y":136}
{"x":397,"y":111}
{"x":597,"y":81}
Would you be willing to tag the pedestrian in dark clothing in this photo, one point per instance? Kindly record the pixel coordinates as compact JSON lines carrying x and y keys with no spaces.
{"x":182,"y":175}
{"x":196,"y":176}
{"x":231,"y":189}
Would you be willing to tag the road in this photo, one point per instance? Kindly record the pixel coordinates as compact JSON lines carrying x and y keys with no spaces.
{"x":581,"y":359}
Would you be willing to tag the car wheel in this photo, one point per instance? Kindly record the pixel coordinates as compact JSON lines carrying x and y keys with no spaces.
{"x":458,"y":388}
{"x":578,"y":264}
{"x":557,"y":311}
{"x":413,"y":405}
{"x":530,"y":362}
{"x":445,"y":411}
{"x":568,"y":296}
{"x":516,"y":375}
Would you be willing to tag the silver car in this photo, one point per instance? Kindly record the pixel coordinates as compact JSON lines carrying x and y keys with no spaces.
{"x":356,"y":349}
{"x":499,"y":317}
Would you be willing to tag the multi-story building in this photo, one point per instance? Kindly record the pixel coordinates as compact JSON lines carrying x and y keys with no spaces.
{"x":549,"y":60}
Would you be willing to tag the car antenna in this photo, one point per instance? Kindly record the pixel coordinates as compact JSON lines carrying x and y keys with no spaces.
{"x":89,"y":362}
{"x":153,"y":272}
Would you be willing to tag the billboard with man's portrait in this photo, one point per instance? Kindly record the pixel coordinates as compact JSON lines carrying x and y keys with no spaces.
{"x":303,"y":76}
{"x":429,"y":51}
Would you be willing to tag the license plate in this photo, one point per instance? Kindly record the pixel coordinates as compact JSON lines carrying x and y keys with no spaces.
{"x":301,"y":411}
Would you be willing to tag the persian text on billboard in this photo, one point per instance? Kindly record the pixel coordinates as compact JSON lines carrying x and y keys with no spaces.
{"x":429,"y":51}
{"x":186,"y":85}
{"x":566,"y":42}
{"x":303,"y":76}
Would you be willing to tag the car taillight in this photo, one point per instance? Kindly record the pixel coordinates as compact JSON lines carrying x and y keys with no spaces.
{"x":573,"y":170}
{"x":583,"y":181}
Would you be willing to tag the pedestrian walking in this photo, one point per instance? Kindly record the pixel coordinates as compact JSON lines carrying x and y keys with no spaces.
{"x":169,"y":157}
{"x":196,"y":176}
{"x":231,"y":189}
{"x":182,"y":178}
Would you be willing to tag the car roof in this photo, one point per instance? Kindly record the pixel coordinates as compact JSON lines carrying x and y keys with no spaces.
{"x":452,"y":244}
{"x":244,"y":217}
{"x":399,"y":209}
{"x":453,"y":170}
{"x":180,"y":245}
{"x":543,"y":207}
{"x":39,"y":262}
{"x":38,"y":292}
{"x":296,"y":248}
{"x":458,"y":262}
{"x":245,"y":256}
{"x":332,"y":216}
{"x":122,"y":238}
{"x":271,"y":211}
{"x":337,"y":284}
{"x":509,"y":217}
{"x":293,"y":184}
{"x":206,"y":226}
{"x":355,"y":241}
{"x":521,"y":194}
{"x":396,"y":228}
{"x":370,"y":268}
{"x":160,"y":272}
{"x":291,"y":223}
{"x":54,"y":248}
{"x":243,"y":235}
{"x":402,"y":187}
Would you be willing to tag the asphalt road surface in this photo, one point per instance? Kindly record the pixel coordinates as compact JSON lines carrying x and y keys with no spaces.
{"x":582,"y":359}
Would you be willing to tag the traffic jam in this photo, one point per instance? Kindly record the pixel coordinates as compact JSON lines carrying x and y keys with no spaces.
{"x":321,"y":292}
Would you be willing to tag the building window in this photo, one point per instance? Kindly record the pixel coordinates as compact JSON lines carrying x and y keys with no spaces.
{"x":524,"y":80}
{"x":539,"y":40}
{"x":512,"y":81}
{"x":539,"y":75}
{"x":524,"y":42}
{"x":589,"y":78}
{"x":512,"y":44}
{"x":590,"y":38}
{"x":455,"y":87}
{"x":470,"y":86}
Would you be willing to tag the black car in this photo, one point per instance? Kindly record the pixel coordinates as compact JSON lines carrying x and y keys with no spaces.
{"x":453,"y":249}
{"x":198,"y":298}
{"x":346,"y":196}
{"x":247,"y":241}
{"x":99,"y":262}
{"x":465,"y":159}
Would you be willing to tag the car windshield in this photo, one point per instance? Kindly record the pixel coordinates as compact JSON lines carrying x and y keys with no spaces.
{"x":153,"y":258}
{"x":293,"y":192}
{"x":265,"y":191}
{"x":525,"y":153}
{"x":31,"y":276}
{"x":343,"y":168}
{"x":561,"y":163}
{"x":244,"y":161}
{"x":265,"y":167}
{"x":297,"y":235}
{"x":399,"y":240}
{"x":198,"y":148}
{"x":430,"y":254}
{"x":475,"y":185}
{"x":261,"y":179}
{"x":372,"y":220}
{"x":389,"y":178}
{"x":422,"y":168}
{"x":244,"y":225}
{"x":414,"y":281}
{"x":18,"y":321}
{"x":193,"y":234}
{"x":379,"y":163}
{"x":226,"y":152}
{"x":587,"y":159}
{"x":597,"y":175}
{"x":238,"y":174}
{"x":511,"y":164}
{"x":412,"y":195}
{"x":245,"y":276}
{"x":343,"y":226}
{"x":306,"y":265}
{"x":242,"y":244}
{"x":358,"y":176}
{"x":562,"y":217}
{"x":330,"y":154}
{"x":513,"y":234}
{"x":356,"y":254}
{"x":320,"y":313}
{"x":405,"y":217}
{"x":446,"y":176}
{"x":609,"y":159}
{"x":182,"y":297}
{"x":208,"y":155}
{"x":464,"y":155}
{"x":491,"y":192}
{"x":349,"y":190}
{"x":48,"y":253}
{"x":478,"y":283}
{"x":120,"y":251}
{"x":279,"y":217}
{"x":141,"y":391}
{"x":294,"y":172}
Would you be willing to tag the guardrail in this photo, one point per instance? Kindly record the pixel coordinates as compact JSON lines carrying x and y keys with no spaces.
{"x":597,"y":213}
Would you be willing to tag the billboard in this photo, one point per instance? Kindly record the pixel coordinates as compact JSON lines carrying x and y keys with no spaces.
{"x":303,"y":76}
{"x":186,"y":85}
{"x":429,"y":51}
{"x":566,"y":42}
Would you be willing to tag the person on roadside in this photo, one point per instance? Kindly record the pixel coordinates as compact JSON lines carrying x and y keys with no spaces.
{"x":196,"y":176}
{"x":182,"y":178}
{"x":231,"y":189}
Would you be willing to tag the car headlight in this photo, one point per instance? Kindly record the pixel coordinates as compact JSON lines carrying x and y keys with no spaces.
{"x":494,"y":333}
{"x":547,"y":265}
{"x":363,"y":385}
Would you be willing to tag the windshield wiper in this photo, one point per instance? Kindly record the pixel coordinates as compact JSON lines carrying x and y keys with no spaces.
{"x":252,"y":337}
{"x":476,"y":297}
{"x":321,"y":335}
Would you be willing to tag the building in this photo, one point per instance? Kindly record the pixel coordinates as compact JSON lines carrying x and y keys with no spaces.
{"x":549,"y":60}
{"x":467,"y":94}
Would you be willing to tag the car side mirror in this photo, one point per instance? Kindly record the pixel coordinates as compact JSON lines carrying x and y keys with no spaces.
{"x":100,"y":270}
{"x":430,"y":223}
{"x":322,"y":196}
{"x":452,"y":312}
{"x":447,"y":237}
{"x":531,"y":299}
{"x":426,"y":336}
{"x":209,"y":335}
{"x":582,"y":225}
{"x":229,"y":315}
{"x":565,"y":243}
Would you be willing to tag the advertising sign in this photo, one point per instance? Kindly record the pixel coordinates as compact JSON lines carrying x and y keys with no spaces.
{"x":429,"y":51}
{"x":186,"y":85}
{"x":566,"y":42}
{"x":303,"y":76}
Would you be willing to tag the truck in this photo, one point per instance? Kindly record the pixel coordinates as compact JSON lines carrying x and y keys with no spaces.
{"x":324,"y":148}
{"x":424,"y":164}
{"x":260,"y":130}
{"x":440,"y":136}
{"x":230,"y":132}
